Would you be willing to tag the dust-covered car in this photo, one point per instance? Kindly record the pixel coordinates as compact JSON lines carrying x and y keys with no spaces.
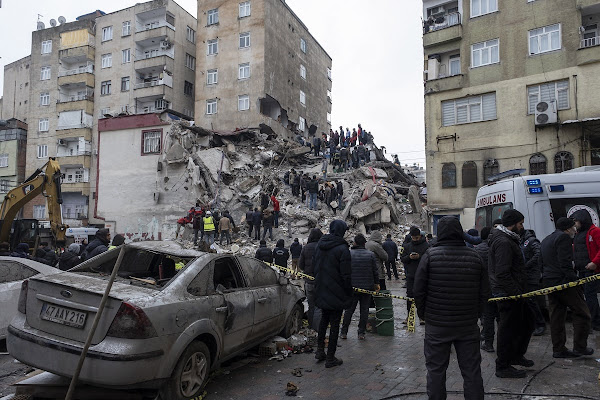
{"x":172,"y":315}
{"x":13,"y":271}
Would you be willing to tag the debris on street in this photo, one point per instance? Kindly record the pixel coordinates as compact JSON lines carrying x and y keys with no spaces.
{"x":291,"y":389}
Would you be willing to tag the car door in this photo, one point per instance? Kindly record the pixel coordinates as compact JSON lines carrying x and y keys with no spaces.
{"x":12,"y":274}
{"x":236,"y":311}
{"x":264,"y":282}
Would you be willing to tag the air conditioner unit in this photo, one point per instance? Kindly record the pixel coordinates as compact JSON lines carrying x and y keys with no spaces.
{"x":165,"y":44}
{"x":62,"y":142}
{"x":545,"y":113}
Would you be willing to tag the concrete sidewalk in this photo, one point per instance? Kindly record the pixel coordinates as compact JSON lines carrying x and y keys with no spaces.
{"x":394,"y":367}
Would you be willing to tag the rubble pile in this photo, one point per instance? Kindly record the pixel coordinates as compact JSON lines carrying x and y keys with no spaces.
{"x":229,"y":171}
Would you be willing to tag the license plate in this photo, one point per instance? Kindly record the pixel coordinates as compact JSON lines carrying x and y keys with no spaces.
{"x":62,"y":315}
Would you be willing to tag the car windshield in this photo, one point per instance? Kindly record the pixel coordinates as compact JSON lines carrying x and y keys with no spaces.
{"x":139,"y":267}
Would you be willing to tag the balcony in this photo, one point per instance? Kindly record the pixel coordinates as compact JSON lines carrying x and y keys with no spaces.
{"x":74,"y":71}
{"x":153,"y":83}
{"x":77,"y":102}
{"x":82,"y":188}
{"x":82,"y":160}
{"x":152,"y":92}
{"x":586,"y":3}
{"x":77,"y":54}
{"x":84,"y":79}
{"x":443,"y":84}
{"x":164,"y":61}
{"x":442,"y":36}
{"x":164,"y":32}
{"x":157,"y":105}
{"x":75,"y":119}
{"x":69,"y":133}
{"x":75,"y":214}
{"x":440,"y":23}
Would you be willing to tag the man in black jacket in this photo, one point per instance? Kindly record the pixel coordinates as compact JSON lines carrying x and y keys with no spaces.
{"x":507,"y":278}
{"x":391,"y":249}
{"x":411,"y":256}
{"x":557,"y":256}
{"x":451,"y":289}
{"x":256,"y":220}
{"x":281,"y":254}
{"x":530,"y":245}
{"x":263,"y":253}
{"x":305,"y":263}
{"x":333,"y":288}
{"x":98,"y":245}
{"x":295,"y":251}
{"x":69,"y":258}
{"x":365,"y":275}
{"x":490,"y":312}
{"x":313,"y":189}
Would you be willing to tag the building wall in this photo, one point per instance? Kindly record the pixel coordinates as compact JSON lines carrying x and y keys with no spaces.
{"x":512,"y":137}
{"x":15,"y":98}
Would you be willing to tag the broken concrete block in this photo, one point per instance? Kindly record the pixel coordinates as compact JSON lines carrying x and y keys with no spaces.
{"x":366,"y":207}
{"x":386,"y":217}
{"x":176,"y":153}
{"x":361,"y":228}
{"x":211,"y":158}
{"x":300,"y":223}
{"x":379,"y":173}
{"x":394,"y":212}
{"x":248,"y":184}
{"x":298,"y":151}
{"x":415,"y":201}
{"x":225,"y":194}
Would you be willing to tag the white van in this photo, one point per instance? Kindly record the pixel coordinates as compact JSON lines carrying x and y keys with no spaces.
{"x":541,"y":198}
{"x":78,"y":235}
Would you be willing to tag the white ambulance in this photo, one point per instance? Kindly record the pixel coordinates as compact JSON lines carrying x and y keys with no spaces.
{"x":542,"y":199}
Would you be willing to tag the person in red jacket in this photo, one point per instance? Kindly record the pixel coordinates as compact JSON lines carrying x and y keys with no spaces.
{"x":181,"y":223}
{"x":275,"y":211}
{"x":586,"y":249}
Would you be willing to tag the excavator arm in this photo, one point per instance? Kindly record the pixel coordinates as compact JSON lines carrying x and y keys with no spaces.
{"x":46,"y":182}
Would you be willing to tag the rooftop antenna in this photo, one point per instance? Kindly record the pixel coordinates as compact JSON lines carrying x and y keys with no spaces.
{"x":53,"y":22}
{"x":40,"y":24}
{"x":62,"y":20}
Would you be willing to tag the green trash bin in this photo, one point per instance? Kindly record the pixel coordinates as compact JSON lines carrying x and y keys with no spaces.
{"x":384,"y":314}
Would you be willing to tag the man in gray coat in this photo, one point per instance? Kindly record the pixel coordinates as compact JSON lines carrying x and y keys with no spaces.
{"x":381,"y":255}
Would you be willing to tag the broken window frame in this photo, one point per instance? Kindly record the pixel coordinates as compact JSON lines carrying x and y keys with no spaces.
{"x":491,"y":167}
{"x":188,"y":88}
{"x":243,"y":102}
{"x":212,"y":76}
{"x":4,"y":186}
{"x":151,"y":141}
{"x":244,"y":40}
{"x":448,"y":175}
{"x":242,"y":69}
{"x":211,"y":106}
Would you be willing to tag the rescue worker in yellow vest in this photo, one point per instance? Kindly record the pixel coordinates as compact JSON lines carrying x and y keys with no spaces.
{"x":209,"y":228}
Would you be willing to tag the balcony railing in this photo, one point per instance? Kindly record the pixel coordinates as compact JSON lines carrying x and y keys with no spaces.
{"x":74,"y":126}
{"x":74,"y":214}
{"x":151,"y":109}
{"x":81,"y":70}
{"x":149,"y":84}
{"x":590,"y":42}
{"x":75,"y":153}
{"x":142,"y":26}
{"x":77,"y":97}
{"x":143,"y":55}
{"x":443,"y":22}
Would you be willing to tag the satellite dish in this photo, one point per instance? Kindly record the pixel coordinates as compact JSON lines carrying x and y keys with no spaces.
{"x":52,"y":22}
{"x":62,"y":20}
{"x":40,"y":26}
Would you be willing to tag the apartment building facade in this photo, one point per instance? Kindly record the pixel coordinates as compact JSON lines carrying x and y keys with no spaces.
{"x":15,"y":96}
{"x":13,"y":142}
{"x":508,"y":86}
{"x":259,"y":66}
{"x":131,"y":61}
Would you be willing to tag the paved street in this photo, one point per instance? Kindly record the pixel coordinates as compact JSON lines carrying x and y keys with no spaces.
{"x":385,"y":367}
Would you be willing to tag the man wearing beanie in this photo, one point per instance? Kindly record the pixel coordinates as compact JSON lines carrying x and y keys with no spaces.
{"x":333,"y":288}
{"x":508,"y":278}
{"x":411,"y":256}
{"x":557,"y":258}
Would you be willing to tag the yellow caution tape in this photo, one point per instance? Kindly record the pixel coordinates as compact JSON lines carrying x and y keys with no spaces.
{"x":548,"y":290}
{"x":411,"y":314}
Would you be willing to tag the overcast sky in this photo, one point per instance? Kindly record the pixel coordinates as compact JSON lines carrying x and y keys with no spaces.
{"x":377,"y":58}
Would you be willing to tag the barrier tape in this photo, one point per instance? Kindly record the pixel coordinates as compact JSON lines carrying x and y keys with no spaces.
{"x":411,"y":314}
{"x":548,"y":290}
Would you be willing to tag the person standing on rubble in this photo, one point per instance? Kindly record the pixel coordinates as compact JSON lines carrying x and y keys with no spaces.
{"x":381,"y":256}
{"x":327,"y":194}
{"x":305,"y":264}
{"x":275,"y":210}
{"x":256,"y":221}
{"x":291,"y":177}
{"x":316,"y":145}
{"x":197,"y":226}
{"x":281,"y":255}
{"x":344,"y":158}
{"x":209,"y":228}
{"x":249,"y":223}
{"x":264,"y":201}
{"x":295,"y":251}
{"x":263,"y":253}
{"x":224,"y":230}
{"x":333,"y":272}
{"x":354,"y":138}
{"x":392,"y":250}
{"x":313,"y":189}
{"x":342,"y":136}
{"x":267,"y":221}
{"x":411,"y":256}
{"x":296,"y":185}
{"x":303,"y":178}
{"x":348,"y":137}
{"x":340,"y":192}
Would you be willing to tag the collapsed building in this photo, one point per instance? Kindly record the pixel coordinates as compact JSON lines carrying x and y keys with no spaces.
{"x":154,"y":167}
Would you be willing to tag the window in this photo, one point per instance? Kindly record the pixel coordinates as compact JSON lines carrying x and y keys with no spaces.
{"x":4,"y":185}
{"x":212,"y":77}
{"x":107,"y":60}
{"x":537,"y":164}
{"x":448,"y":175}
{"x":469,"y":174}
{"x":302,"y":98}
{"x":188,"y":88}
{"x":485,"y":53}
{"x":469,"y":109}
{"x":124,"y":84}
{"x":39,"y":212}
{"x":243,"y":102}
{"x":329,"y":95}
{"x":490,"y":168}
{"x":126,"y":28}
{"x":213,"y":17}
{"x":126,"y":55}
{"x":454,"y":65}
{"x":329,"y":118}
{"x":563,"y":161}
{"x":107,"y":33}
{"x":301,"y":124}
{"x":44,"y":99}
{"x":543,"y":40}
{"x":211,"y":106}
{"x":553,"y":91}
{"x":43,"y":125}
{"x":303,"y":45}
{"x":105,"y":88}
{"x":151,"y":142}
{"x":244,"y":71}
{"x":47,"y":46}
{"x":3,"y":160}
{"x":244,"y":9}
{"x":213,"y":47}
{"x":329,"y":73}
{"x":482,"y":7}
{"x":104,"y":112}
{"x":303,"y":72}
{"x":45,"y":73}
{"x":190,"y":35}
{"x":190,"y":61}
{"x":244,"y":40}
{"x":42,"y":151}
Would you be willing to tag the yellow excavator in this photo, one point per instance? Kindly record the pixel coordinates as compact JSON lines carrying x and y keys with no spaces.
{"x":45,"y":181}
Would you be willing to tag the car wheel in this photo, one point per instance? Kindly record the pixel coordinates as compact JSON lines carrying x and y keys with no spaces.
{"x":294,"y":322}
{"x":190,"y":374}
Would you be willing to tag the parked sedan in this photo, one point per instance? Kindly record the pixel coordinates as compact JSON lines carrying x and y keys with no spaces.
{"x":172,"y":315}
{"x":12,"y":273}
